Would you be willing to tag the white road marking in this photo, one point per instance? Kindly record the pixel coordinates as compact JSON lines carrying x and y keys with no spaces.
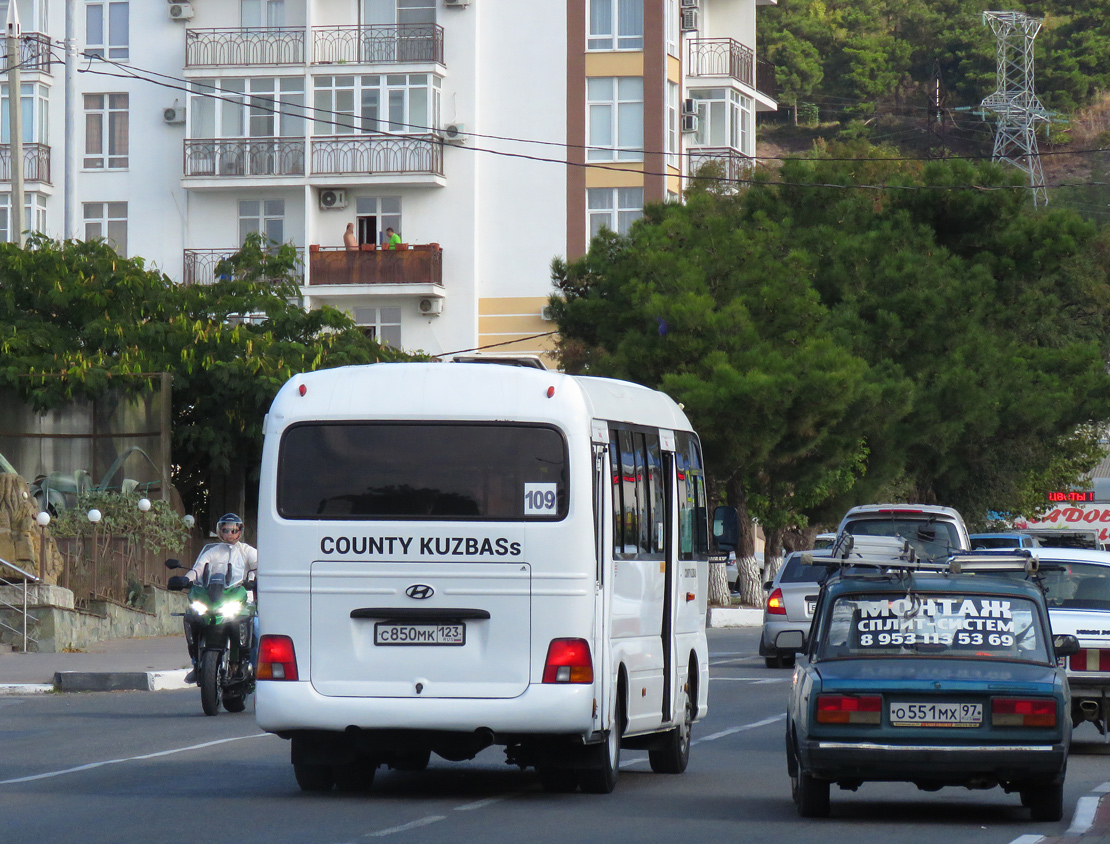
{"x":754,"y":680}
{"x":1084,"y":815}
{"x":1030,"y":838}
{"x":481,"y":804}
{"x":406,"y":827}
{"x":743,"y":728}
{"x":92,"y":765}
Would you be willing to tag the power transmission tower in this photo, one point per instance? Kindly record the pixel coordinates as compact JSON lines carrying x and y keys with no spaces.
{"x":1014,"y":101}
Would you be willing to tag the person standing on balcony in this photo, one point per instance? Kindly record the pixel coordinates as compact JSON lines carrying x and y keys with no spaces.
{"x":350,"y":239}
{"x":391,"y":238}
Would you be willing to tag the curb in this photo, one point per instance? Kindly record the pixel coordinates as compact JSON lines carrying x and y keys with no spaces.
{"x":734,"y":617}
{"x":103,"y":681}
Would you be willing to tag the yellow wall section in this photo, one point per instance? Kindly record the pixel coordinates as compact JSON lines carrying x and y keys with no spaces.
{"x":618,"y":177}
{"x":505,"y":319}
{"x":615,"y":64}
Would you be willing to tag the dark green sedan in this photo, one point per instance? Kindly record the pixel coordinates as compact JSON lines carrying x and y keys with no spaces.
{"x":931,"y":677}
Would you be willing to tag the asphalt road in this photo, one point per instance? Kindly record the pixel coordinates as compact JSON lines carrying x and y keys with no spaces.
{"x":149,"y":767}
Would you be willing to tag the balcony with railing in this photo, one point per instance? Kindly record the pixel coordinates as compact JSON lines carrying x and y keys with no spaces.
{"x":253,"y":47}
{"x":378,"y":44}
{"x":417,"y":264}
{"x":727,"y":58}
{"x":727,"y":163}
{"x":200,"y":265}
{"x":34,"y":53}
{"x":371,"y":154}
{"x":244,"y":157}
{"x":36,"y":163}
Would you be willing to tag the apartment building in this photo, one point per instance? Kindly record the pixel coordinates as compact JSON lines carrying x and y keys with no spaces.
{"x":490,"y":135}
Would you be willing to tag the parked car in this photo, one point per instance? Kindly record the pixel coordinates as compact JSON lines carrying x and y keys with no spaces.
{"x":1066,"y":537}
{"x":984,"y":541}
{"x":1076,"y":582}
{"x":788,"y":607}
{"x":933,"y":531}
{"x":824,"y":540}
{"x":931,"y":677}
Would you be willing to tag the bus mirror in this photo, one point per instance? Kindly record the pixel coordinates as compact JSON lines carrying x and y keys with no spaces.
{"x":726,"y":527}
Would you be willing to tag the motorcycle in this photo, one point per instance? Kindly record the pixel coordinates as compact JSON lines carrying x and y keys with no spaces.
{"x":220,"y":629}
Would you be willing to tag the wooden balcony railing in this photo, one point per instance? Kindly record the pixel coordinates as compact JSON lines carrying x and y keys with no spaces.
{"x":36,"y":163}
{"x":253,"y":47}
{"x":378,"y":44}
{"x":244,"y":157}
{"x":200,"y":264}
{"x":34,"y":53}
{"x":421,"y":264}
{"x":369,"y":154}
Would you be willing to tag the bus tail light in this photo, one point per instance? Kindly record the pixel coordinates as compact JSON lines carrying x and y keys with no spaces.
{"x":276,"y":658}
{"x":1023,"y":712}
{"x":568,"y":661}
{"x":849,"y":709}
{"x":776,"y":604}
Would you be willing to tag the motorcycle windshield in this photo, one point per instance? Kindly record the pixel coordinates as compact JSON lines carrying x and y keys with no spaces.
{"x":221,"y":563}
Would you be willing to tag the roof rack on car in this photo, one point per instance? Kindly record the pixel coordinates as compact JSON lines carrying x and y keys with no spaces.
{"x":894,"y":554}
{"x":1019,"y":559}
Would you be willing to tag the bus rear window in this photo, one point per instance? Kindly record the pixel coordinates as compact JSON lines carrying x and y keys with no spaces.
{"x":387,"y":470}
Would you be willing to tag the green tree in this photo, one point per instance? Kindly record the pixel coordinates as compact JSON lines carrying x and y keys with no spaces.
{"x":76,"y":319}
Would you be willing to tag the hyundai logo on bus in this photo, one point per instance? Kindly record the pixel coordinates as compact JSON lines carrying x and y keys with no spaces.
{"x":430,"y":546}
{"x":420,"y":591}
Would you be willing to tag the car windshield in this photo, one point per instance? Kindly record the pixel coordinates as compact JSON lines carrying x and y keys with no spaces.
{"x":1076,"y":586}
{"x":949,"y":625}
{"x":929,"y":538}
{"x":1010,"y":541}
{"x":795,"y":571}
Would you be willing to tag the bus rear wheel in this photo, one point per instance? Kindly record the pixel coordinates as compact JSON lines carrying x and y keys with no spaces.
{"x":675,"y":756}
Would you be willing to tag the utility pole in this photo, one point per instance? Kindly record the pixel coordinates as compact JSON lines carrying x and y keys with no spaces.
{"x":1014,"y":102}
{"x":69,"y":207}
{"x":15,"y":122}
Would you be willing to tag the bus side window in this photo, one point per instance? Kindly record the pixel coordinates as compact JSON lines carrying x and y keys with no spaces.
{"x":693,"y":538}
{"x":618,"y":505}
{"x":655,"y":494}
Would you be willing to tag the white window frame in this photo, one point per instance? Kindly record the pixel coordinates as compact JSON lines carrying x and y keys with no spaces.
{"x":607,"y":19}
{"x":614,"y":208}
{"x":671,"y":11}
{"x":387,"y":210}
{"x":105,"y":33}
{"x":106,"y":115}
{"x":398,"y":11}
{"x":34,"y":207}
{"x":673,"y":91}
{"x":615,"y":110}
{"x":234,"y":107}
{"x":35,"y":100}
{"x":393,"y":96}
{"x":266,"y":216}
{"x":107,"y":220}
{"x":724,"y":119}
{"x":381,"y":323}
{"x":262,"y":14}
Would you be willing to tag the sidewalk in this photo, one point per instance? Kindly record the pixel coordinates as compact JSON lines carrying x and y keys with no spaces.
{"x":150,"y":664}
{"x":1089,"y":825}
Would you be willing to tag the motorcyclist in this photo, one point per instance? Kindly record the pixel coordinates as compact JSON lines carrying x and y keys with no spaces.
{"x":243,"y":559}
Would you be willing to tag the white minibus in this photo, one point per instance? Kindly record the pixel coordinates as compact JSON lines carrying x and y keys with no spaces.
{"x":457,"y":555}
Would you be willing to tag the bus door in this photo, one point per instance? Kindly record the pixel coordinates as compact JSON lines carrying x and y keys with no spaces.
{"x":602,"y":647}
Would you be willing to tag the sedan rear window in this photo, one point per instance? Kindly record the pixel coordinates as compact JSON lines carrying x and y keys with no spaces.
{"x":392,"y":470}
{"x":930,"y":538}
{"x":963,"y":626}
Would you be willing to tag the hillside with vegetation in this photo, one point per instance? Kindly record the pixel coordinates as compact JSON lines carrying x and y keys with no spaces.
{"x":911,"y":74}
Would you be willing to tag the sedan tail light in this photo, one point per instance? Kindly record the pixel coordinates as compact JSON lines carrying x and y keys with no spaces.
{"x":776,"y":604}
{"x":1023,"y":712}
{"x":849,"y":709}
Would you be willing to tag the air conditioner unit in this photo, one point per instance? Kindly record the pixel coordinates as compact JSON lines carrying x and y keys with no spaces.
{"x":174,"y":114}
{"x":689,"y":20}
{"x":689,"y":106}
{"x":689,"y":124}
{"x":332,"y":198}
{"x":547,"y":315}
{"x":457,"y":4}
{"x":181,"y":11}
{"x":689,"y":4}
{"x":455,"y":133}
{"x":431,"y":307}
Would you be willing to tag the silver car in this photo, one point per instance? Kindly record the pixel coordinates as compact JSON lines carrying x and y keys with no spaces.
{"x":788,"y":607}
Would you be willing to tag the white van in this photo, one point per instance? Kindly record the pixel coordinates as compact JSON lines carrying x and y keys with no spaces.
{"x":458,"y":555}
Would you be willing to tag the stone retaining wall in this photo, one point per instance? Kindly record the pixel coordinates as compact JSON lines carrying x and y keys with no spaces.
{"x":56,"y":625}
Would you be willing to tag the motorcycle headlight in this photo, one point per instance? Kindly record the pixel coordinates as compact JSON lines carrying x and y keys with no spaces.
{"x":230,"y":608}
{"x":198,"y":607}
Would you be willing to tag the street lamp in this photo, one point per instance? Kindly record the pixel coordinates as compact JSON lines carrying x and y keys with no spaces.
{"x":42,"y":519}
{"x":144,"y":508}
{"x":94,"y":517}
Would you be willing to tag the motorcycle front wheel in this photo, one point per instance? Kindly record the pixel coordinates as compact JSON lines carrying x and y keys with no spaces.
{"x":211,"y":680}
